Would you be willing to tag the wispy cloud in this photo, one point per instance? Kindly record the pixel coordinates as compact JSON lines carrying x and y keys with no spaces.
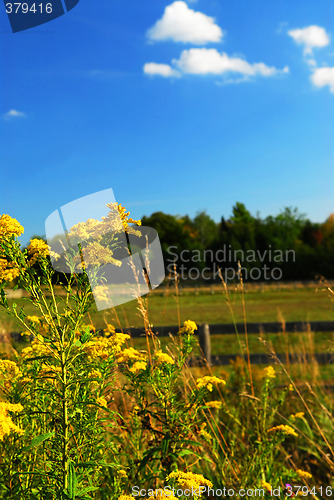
{"x":209,"y":61}
{"x":179,"y":23}
{"x":164,"y":70}
{"x":13,"y":113}
{"x":203,"y":61}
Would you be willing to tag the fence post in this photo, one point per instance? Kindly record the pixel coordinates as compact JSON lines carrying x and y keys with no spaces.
{"x":205,"y":341}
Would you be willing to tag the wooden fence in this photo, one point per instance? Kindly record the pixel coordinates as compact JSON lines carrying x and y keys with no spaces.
{"x":205,"y":332}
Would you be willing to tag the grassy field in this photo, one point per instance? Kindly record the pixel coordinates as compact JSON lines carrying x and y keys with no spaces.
{"x":292,"y":305}
{"x":271,"y":305}
{"x":305,"y":304}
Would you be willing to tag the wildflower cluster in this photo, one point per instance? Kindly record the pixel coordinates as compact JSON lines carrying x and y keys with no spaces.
{"x":283,"y":429}
{"x":119,"y":218}
{"x":9,"y":227}
{"x":162,"y":358}
{"x":304,"y":474}
{"x":8,"y":372}
{"x":208,"y":381}
{"x":6,"y":423}
{"x":217,"y":405}
{"x":105,"y":347}
{"x":8,"y":271}
{"x":188,"y":480}
{"x":188,"y":327}
{"x":116,"y":221}
{"x":270,"y":372}
{"x":38,"y":249}
{"x":267,"y":486}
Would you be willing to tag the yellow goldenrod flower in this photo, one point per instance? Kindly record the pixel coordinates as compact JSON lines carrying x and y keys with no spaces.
{"x":162,"y":358}
{"x":97,"y":348}
{"x":188,"y":480}
{"x":117,"y":340}
{"x":122,"y":473}
{"x":203,"y":433}
{"x":118,"y":218}
{"x":110,"y":330}
{"x":102,"y":402}
{"x":266,"y":485}
{"x":34,"y":319}
{"x":217,"y":405}
{"x":38,"y":249}
{"x":104,"y":347}
{"x":303,"y":473}
{"x":291,"y":388}
{"x":188,"y":327}
{"x":8,"y":270}
{"x":284,"y":429}
{"x":297,"y":415}
{"x":95,"y":374}
{"x":35,"y":349}
{"x":270,"y":372}
{"x":6,"y":424}
{"x":8,"y":369}
{"x":9,"y":226}
{"x":208,"y":382}
{"x":138,"y":366}
{"x":130,"y":354}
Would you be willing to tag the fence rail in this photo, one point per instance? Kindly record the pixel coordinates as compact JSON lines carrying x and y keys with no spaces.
{"x":205,"y":331}
{"x":323,"y":358}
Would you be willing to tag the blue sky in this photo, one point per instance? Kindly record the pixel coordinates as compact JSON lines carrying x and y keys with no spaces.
{"x":176,"y":106}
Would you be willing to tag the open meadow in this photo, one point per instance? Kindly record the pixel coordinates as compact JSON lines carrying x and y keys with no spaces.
{"x":86,"y":411}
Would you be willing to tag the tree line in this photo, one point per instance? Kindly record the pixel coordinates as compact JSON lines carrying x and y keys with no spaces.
{"x":301,"y":249}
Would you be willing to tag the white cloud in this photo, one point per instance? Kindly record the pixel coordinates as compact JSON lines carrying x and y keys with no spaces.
{"x":311,"y":37}
{"x":179,"y":23}
{"x":323,"y":77}
{"x":13,"y":113}
{"x":209,"y":61}
{"x":160,"y":69}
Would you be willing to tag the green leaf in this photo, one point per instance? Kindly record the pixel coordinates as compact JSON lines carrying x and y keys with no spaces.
{"x":42,"y":437}
{"x":186,"y":452}
{"x":36,"y":441}
{"x":72,"y":481}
